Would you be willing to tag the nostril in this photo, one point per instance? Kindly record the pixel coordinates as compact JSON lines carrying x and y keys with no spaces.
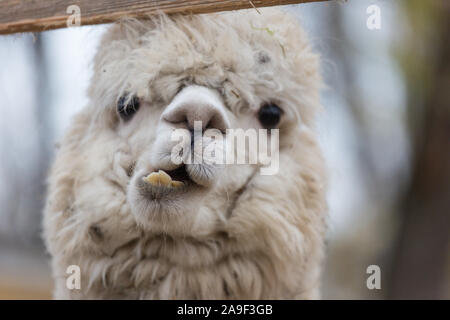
{"x":217,"y":121}
{"x":210,"y":125}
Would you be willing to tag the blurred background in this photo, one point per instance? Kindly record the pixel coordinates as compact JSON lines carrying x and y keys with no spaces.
{"x":385,"y":132}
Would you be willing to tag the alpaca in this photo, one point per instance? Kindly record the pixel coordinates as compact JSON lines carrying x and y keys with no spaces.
{"x":140,"y":226}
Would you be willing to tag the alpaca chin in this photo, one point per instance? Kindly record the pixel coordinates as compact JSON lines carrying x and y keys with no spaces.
{"x":161,"y":207}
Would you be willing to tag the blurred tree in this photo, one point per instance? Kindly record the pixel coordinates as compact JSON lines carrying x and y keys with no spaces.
{"x":420,"y":264}
{"x":369,"y":240}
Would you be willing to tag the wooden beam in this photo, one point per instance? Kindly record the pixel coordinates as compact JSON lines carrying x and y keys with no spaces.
{"x":40,"y":15}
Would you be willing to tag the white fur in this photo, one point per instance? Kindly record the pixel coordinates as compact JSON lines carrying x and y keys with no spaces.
{"x":246,"y":237}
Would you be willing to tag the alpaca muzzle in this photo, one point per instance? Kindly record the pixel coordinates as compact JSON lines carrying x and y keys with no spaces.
{"x":175,"y":163}
{"x":197,"y":104}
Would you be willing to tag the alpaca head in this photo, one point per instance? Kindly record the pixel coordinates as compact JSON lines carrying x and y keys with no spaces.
{"x":164,"y":92}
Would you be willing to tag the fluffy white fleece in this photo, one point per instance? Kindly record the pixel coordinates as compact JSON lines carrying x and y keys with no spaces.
{"x":247,"y":237}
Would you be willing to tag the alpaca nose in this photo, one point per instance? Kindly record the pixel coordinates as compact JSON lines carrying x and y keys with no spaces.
{"x":197,"y":104}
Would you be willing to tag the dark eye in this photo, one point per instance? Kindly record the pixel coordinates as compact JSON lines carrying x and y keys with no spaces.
{"x":269,"y":115}
{"x":127,"y":107}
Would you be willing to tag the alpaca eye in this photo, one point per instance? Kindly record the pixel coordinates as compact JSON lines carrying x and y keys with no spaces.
{"x":269,"y":115}
{"x":127,"y":107}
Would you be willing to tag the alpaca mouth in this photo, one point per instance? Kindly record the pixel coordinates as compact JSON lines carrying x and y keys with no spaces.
{"x":179,"y":174}
{"x":161,"y":183}
{"x":176,"y":178}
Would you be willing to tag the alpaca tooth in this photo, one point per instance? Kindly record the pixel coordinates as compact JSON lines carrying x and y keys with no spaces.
{"x":164,"y":178}
{"x":152,"y":178}
{"x":161,"y":178}
{"x":177,"y":184}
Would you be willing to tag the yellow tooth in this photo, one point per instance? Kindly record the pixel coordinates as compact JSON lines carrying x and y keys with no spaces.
{"x":177,"y":184}
{"x":152,"y":178}
{"x":164,"y":178}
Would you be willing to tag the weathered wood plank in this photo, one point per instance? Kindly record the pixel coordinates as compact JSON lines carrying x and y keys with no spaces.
{"x":40,"y":15}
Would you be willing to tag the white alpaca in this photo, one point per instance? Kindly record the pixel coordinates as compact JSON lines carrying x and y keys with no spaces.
{"x":191,"y":231}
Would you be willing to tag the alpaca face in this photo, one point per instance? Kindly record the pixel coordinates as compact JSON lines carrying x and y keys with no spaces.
{"x":125,"y":182}
{"x":172,"y":176}
{"x":164,"y":188}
